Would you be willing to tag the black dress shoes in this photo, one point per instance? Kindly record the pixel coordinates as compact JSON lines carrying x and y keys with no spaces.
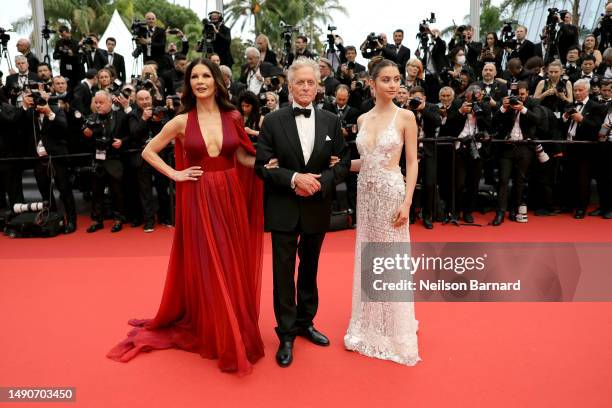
{"x":579,"y":214}
{"x":70,"y":227}
{"x":499,"y":218}
{"x":314,"y":336}
{"x":427,"y":223}
{"x":95,"y":226}
{"x":468,"y":217}
{"x":117,"y":226}
{"x":284,"y":355}
{"x":512,"y":215}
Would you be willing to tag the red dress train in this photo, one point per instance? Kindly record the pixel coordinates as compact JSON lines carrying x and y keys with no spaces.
{"x":210,"y":303}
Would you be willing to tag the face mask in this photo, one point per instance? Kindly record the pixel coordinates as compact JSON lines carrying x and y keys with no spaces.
{"x":461,"y":60}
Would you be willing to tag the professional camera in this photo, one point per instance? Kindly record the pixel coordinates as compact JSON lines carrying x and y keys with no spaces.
{"x":173,"y":31}
{"x":424,"y":26}
{"x":470,"y":143}
{"x":360,"y":84}
{"x":414,"y":103}
{"x":287,"y":32}
{"x":176,"y":100}
{"x":159,"y":110}
{"x":46,"y":31}
{"x":139,"y":29}
{"x":4,"y":37}
{"x":447,"y":78}
{"x":372,"y":41}
{"x":101,"y":140}
{"x":34,"y":88}
{"x":514,"y":100}
{"x":513,"y":88}
{"x":570,"y":110}
{"x":87,"y":45}
{"x":507,"y":39}
{"x":263,"y":108}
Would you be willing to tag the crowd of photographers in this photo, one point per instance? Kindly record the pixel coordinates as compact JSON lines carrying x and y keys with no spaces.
{"x":528,"y":122}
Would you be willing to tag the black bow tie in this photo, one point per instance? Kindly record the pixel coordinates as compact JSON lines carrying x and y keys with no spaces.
{"x":587,"y":76}
{"x":578,"y":103}
{"x":299,"y":111}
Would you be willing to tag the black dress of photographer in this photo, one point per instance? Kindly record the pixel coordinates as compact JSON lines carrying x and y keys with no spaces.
{"x":44,"y":131}
{"x":144,"y":123}
{"x":516,"y":120}
{"x":109,"y":132}
{"x":473,"y":130}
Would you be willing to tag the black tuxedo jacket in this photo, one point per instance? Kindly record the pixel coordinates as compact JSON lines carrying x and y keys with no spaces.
{"x":118,"y":64}
{"x":593,"y":114}
{"x":13,"y":80}
{"x":81,"y":100}
{"x":497,"y":90}
{"x":158,"y":46}
{"x":330,"y":84}
{"x":221,"y":45}
{"x":52,"y":133}
{"x":98,"y":61}
{"x":527,"y":122}
{"x":525,"y":51}
{"x":285,"y":211}
{"x":70,"y":66}
{"x":429,"y":120}
{"x":400,"y":57}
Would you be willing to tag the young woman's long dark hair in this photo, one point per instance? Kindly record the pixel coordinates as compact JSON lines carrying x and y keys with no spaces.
{"x":221,"y":95}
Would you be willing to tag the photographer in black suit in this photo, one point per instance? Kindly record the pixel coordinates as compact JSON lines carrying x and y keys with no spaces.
{"x":115,"y":59}
{"x":10,"y":146}
{"x":298,"y":199}
{"x":223,"y":38}
{"x":348,"y":120}
{"x":428,"y":121}
{"x":524,"y":48}
{"x":16,"y":83}
{"x":83,"y":93}
{"x":402,"y":53}
{"x":44,"y":132}
{"x":92,"y":56}
{"x":153,"y":42}
{"x":144,"y":123}
{"x":24,"y":47}
{"x":67,"y":51}
{"x":582,"y":121}
{"x":463,"y":39}
{"x":516,"y":120}
{"x":109,"y":131}
{"x":604,"y":29}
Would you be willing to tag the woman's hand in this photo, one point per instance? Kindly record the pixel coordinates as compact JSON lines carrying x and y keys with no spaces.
{"x":401,"y":215}
{"x":189,"y":174}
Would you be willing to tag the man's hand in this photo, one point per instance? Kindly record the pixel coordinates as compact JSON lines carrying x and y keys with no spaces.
{"x":577,"y":117}
{"x":307,"y":182}
{"x":506,"y":103}
{"x":519,"y":106}
{"x":466,"y":108}
{"x":147,"y":113}
{"x":44,"y":109}
{"x":88,"y":132}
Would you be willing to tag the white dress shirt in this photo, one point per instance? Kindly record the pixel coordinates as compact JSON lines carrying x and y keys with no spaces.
{"x":306,"y":132}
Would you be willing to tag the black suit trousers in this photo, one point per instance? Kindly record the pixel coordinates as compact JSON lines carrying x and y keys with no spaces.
{"x":109,"y":172}
{"x":292,"y":315}
{"x":514,"y":160}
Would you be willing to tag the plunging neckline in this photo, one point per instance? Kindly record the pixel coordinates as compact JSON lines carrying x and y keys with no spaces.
{"x":204,"y":140}
{"x":383,"y":130}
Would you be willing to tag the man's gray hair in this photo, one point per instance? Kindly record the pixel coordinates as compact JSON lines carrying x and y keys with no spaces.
{"x":20,"y":58}
{"x":252,"y":51}
{"x":584,"y":82}
{"x":105,"y":93}
{"x":607,"y":53}
{"x":225,"y":70}
{"x":304,"y":62}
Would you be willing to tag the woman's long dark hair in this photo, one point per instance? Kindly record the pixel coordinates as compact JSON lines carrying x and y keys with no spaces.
{"x":250,"y":98}
{"x":221,"y":95}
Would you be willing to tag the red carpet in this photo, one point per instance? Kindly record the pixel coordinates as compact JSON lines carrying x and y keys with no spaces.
{"x":65,"y":302}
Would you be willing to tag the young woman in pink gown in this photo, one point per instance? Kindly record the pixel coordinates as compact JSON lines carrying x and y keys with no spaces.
{"x":210,"y":303}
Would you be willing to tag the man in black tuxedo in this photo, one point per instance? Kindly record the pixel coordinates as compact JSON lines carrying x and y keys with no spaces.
{"x":173,"y":79}
{"x":490,"y":86}
{"x":153,"y":45}
{"x":115,"y":59}
{"x":298,"y":198}
{"x":582,"y":124}
{"x":44,"y":132}
{"x":83,"y":93}
{"x":516,"y":121}
{"x":568,"y":36}
{"x":18,"y":80}
{"x":524,"y":48}
{"x":587,"y":71}
{"x":67,"y":51}
{"x":464,"y":38}
{"x":93,"y":57}
{"x":10,"y":146}
{"x":169,"y":57}
{"x":327,"y":76}
{"x":402,"y":53}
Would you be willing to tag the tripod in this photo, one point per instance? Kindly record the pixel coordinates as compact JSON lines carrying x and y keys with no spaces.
{"x":5,"y":54}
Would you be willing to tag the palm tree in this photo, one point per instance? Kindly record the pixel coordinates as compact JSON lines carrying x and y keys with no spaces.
{"x":515,"y":4}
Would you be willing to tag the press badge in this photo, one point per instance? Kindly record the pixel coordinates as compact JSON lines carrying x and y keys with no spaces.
{"x":100,"y":154}
{"x":40,"y":149}
{"x":69,"y":67}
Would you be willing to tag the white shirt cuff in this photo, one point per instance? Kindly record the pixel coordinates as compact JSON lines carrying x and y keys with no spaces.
{"x":51,"y":116}
{"x":502,"y":109}
{"x":524,"y":110}
{"x":293,"y":181}
{"x":128,"y":110}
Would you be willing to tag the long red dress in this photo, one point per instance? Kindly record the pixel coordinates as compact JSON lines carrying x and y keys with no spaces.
{"x":210,"y":303}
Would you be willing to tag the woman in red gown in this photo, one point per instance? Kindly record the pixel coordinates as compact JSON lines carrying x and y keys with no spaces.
{"x":210,"y":303}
